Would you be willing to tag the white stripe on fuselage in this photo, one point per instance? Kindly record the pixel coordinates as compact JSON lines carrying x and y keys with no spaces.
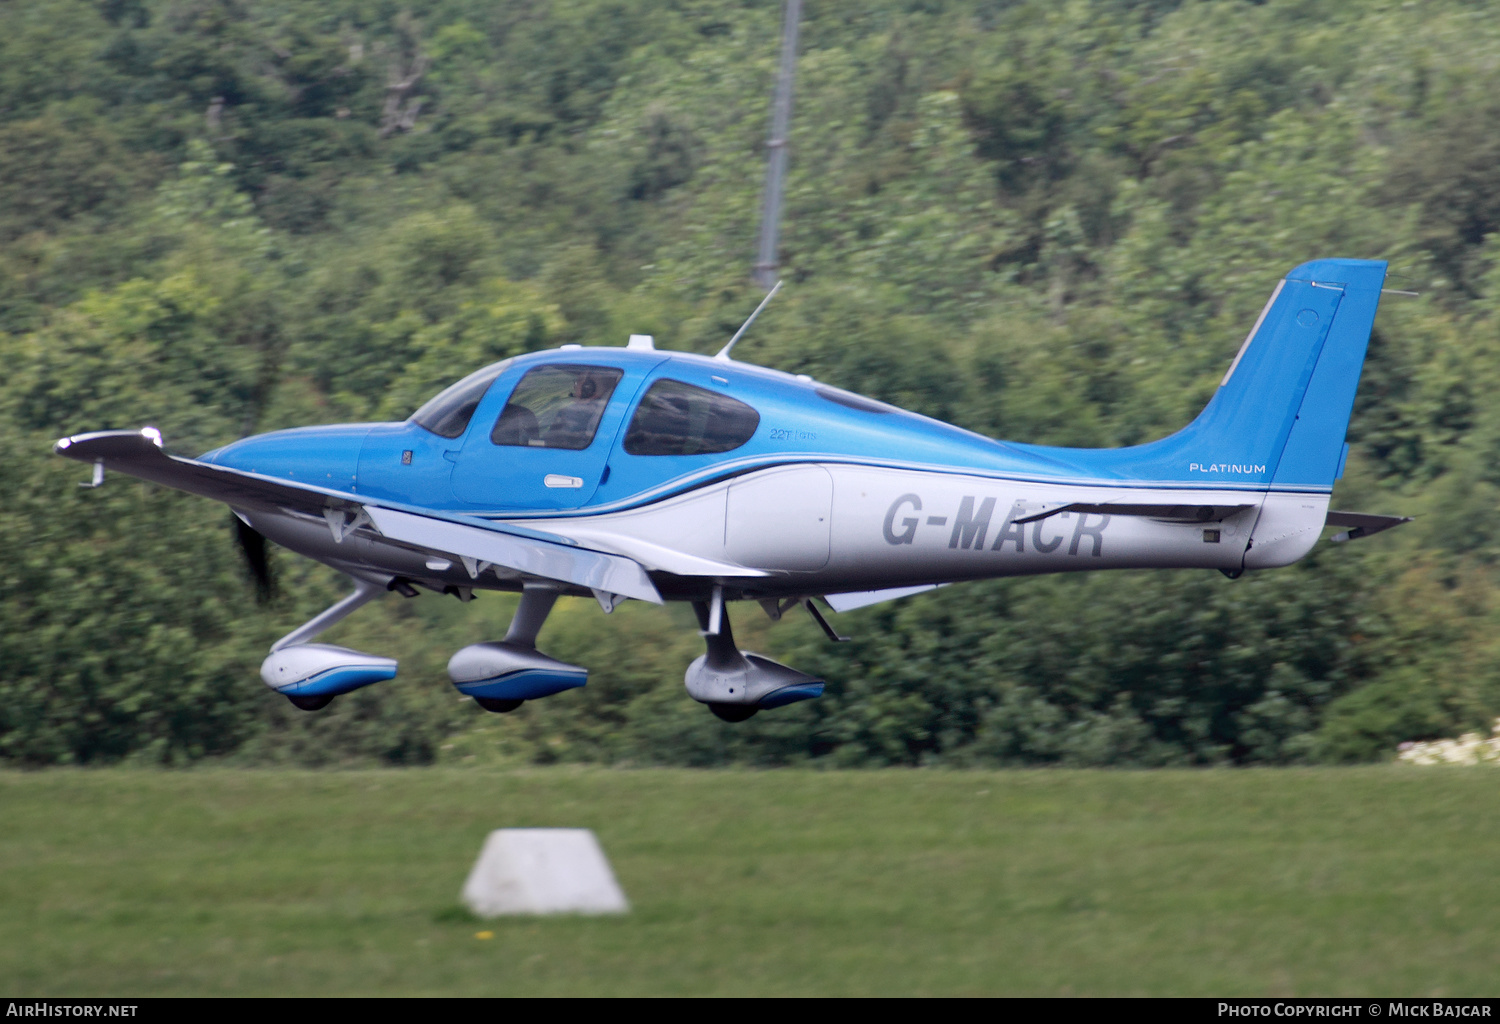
{"x":690,"y":482}
{"x":834,"y":527}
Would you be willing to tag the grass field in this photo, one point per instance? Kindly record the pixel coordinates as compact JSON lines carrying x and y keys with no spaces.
{"x":1368,"y":881}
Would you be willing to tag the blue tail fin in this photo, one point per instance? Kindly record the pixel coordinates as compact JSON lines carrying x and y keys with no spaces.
{"x":1280,"y":415}
{"x":1285,"y":402}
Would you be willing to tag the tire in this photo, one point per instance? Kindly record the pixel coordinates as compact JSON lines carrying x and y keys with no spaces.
{"x":310,"y":701}
{"x":733,"y":712}
{"x":499,"y":705}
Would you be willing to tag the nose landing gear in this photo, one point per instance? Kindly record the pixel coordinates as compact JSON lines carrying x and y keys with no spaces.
{"x":311,"y":675}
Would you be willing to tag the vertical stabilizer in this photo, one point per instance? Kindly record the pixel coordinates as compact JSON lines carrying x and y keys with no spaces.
{"x":1280,"y":414}
{"x":1282,"y":410}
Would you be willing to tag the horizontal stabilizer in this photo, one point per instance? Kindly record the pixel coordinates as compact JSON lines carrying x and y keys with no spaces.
{"x":1166,"y":513}
{"x":1361,"y":524}
{"x":596,"y":570}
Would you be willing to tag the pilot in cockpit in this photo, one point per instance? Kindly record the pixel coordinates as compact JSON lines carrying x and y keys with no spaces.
{"x":556,"y":407}
{"x":573,"y":425}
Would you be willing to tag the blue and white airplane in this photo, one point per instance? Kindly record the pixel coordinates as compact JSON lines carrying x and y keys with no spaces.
{"x":666,"y":476}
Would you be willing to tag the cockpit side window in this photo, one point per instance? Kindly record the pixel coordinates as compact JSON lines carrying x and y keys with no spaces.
{"x":556,"y":406}
{"x":448,"y":414}
{"x":679,"y":419}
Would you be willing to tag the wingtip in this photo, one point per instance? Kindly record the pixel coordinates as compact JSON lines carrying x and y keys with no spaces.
{"x":90,"y":441}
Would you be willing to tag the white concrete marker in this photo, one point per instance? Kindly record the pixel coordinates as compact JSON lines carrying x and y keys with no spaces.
{"x":542,"y":871}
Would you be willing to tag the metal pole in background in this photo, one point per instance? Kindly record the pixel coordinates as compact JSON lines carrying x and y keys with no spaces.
{"x":781,"y":116}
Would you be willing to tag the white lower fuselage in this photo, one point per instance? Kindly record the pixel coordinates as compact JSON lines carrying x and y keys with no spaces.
{"x":836,"y":528}
{"x":833,"y":528}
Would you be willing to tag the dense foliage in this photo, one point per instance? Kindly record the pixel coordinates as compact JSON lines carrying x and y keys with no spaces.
{"x":1051,"y":222}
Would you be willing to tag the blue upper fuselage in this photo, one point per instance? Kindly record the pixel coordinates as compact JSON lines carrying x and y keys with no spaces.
{"x":800,"y":420}
{"x":585,"y":430}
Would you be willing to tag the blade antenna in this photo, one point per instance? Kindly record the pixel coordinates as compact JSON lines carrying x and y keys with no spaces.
{"x":724,"y":352}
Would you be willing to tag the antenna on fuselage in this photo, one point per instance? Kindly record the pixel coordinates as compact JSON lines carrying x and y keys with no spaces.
{"x":724,"y":352}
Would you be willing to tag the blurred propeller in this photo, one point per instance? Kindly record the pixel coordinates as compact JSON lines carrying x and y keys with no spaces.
{"x":257,"y":559}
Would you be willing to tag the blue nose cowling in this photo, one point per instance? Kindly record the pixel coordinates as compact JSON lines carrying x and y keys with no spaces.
{"x":320,"y":456}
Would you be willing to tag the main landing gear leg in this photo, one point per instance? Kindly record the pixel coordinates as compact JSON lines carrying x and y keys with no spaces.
{"x":502,"y":676}
{"x":723,"y":658}
{"x":735,"y":685}
{"x":311,"y":675}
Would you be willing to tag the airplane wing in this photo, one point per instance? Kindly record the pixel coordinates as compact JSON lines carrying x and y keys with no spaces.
{"x":1361,"y":524}
{"x":597,"y":570}
{"x":657,"y":557}
{"x":847,"y":602}
{"x":1167,"y":513}
{"x":139,"y":453}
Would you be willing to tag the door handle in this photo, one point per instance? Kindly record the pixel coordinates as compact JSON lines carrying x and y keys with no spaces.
{"x":451,"y":454}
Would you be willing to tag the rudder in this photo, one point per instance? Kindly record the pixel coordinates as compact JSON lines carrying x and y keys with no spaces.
{"x":1313,"y":454}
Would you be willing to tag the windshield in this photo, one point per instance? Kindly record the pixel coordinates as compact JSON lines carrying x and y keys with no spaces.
{"x":449,"y":413}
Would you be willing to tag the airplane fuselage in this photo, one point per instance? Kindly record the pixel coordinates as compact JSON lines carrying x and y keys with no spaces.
{"x":828,"y":493}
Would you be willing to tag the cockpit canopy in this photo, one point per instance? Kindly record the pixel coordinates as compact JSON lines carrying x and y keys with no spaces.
{"x":560,"y":405}
{"x":591,"y":427}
